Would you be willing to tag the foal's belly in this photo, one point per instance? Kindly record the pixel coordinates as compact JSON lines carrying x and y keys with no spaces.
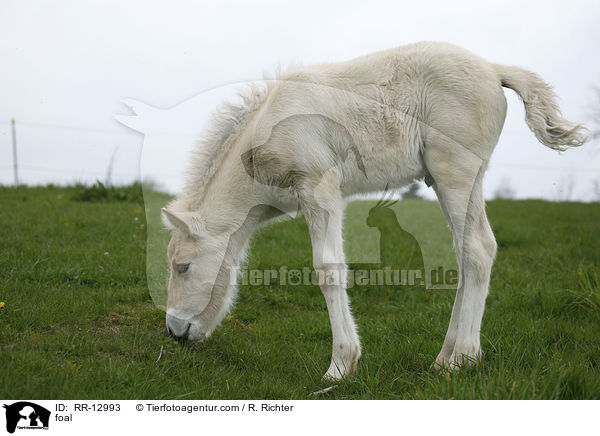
{"x":390,"y":166}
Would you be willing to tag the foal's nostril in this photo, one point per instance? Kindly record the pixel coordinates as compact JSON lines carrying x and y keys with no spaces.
{"x":177,"y":328}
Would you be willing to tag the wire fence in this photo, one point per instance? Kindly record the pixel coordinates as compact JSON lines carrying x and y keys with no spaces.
{"x":67,"y":154}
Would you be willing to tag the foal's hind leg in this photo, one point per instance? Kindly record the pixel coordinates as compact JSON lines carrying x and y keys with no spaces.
{"x":478,"y":252}
{"x":458,"y":176}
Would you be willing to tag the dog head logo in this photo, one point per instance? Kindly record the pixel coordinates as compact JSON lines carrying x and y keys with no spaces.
{"x":26,"y":415}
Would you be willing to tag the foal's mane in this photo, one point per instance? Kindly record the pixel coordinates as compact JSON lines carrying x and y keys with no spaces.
{"x":228,"y":120}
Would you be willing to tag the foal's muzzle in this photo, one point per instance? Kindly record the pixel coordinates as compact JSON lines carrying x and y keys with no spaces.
{"x":177,"y":328}
{"x":182,"y":329}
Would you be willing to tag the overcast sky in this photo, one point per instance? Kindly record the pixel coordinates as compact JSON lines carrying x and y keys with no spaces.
{"x":67,"y":64}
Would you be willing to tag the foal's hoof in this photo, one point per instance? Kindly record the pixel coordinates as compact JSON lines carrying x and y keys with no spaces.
{"x":334,"y":374}
{"x":438,"y":366}
{"x":441,"y":363}
{"x":337,"y":372}
{"x":455,"y":362}
{"x":331,"y":378}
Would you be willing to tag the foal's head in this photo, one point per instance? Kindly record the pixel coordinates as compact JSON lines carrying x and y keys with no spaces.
{"x":198,"y":293}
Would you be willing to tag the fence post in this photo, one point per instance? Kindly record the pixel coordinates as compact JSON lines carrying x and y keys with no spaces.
{"x":14,"y":144}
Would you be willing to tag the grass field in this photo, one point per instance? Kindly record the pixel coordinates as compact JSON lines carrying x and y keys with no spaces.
{"x":78,"y":320}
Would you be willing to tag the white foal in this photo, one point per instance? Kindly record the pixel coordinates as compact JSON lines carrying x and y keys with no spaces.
{"x":317,"y":134}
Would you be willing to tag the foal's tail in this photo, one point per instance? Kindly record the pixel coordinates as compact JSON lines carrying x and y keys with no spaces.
{"x":542,"y":113}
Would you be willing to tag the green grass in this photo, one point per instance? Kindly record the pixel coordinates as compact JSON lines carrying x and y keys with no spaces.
{"x":79,"y":322}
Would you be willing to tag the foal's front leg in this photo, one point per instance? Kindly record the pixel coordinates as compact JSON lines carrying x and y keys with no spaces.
{"x":324,"y":218}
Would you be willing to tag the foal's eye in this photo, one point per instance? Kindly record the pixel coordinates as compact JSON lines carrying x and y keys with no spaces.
{"x":182,"y":267}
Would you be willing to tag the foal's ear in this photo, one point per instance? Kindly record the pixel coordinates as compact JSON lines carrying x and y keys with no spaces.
{"x":187,"y":222}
